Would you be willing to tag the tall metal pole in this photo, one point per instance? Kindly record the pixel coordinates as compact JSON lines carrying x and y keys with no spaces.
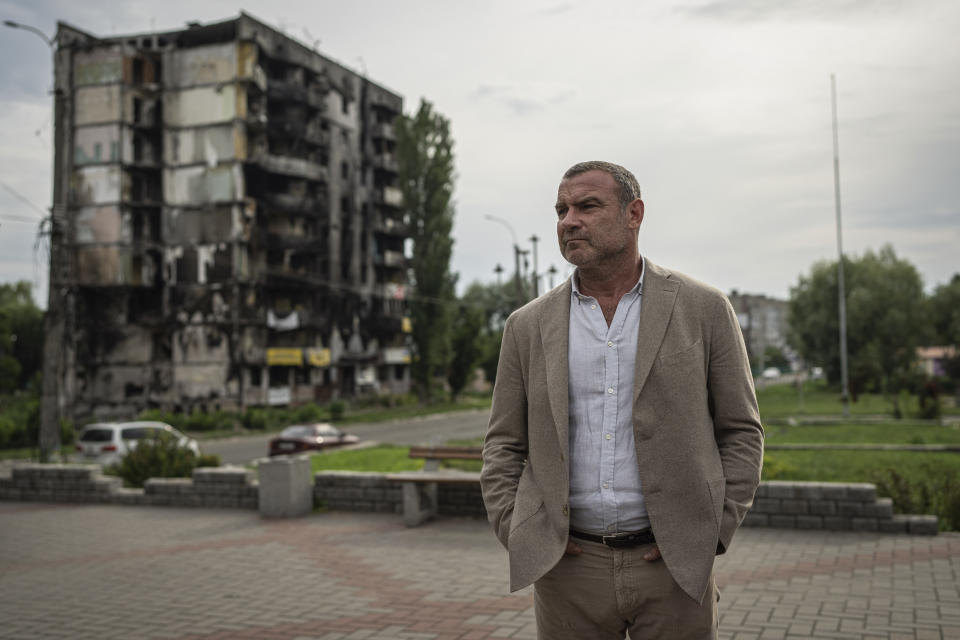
{"x":841,"y":293}
{"x":536,"y":276}
{"x":59,"y":303}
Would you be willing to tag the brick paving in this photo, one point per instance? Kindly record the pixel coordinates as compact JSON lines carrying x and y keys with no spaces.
{"x":92,"y":571}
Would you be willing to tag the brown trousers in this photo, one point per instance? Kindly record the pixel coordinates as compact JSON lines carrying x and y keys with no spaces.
{"x":606,"y":593}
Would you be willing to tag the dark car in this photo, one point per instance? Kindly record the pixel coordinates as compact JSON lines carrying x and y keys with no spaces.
{"x":309,"y":437}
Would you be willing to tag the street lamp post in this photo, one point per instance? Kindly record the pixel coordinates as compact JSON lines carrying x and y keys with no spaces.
{"x":536,"y":276}
{"x":841,"y":293}
{"x":516,"y":257}
{"x":16,"y":25}
{"x":57,"y":305}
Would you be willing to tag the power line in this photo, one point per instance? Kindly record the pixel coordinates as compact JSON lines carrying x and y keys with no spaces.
{"x":22,"y":198}
{"x":13,"y":218}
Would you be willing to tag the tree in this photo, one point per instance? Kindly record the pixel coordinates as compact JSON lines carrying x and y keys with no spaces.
{"x":774,"y":357}
{"x":944,"y":307}
{"x":496,"y":302}
{"x":886,"y":320}
{"x":467,"y":348}
{"x":21,"y":337}
{"x":425,"y":167}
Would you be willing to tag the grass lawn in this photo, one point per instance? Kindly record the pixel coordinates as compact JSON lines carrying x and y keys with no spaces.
{"x":856,"y":466}
{"x":382,"y":458}
{"x":884,"y":433}
{"x":782,"y":401}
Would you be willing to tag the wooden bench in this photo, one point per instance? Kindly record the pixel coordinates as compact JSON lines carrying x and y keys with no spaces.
{"x":420,"y":488}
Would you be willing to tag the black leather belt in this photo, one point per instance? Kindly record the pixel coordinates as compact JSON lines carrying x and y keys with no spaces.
{"x":617,"y":540}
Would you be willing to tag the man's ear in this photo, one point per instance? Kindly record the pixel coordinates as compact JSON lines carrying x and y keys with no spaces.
{"x":635,"y":213}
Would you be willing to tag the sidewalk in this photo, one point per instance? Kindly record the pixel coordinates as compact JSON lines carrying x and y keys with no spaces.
{"x":75,"y":571}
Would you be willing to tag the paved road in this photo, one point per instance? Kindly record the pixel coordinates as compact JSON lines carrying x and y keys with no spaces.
{"x":435,"y":429}
{"x":92,"y":572}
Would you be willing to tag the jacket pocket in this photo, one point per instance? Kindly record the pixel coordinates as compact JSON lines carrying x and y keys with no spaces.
{"x":685,"y":356}
{"x":529,"y":499}
{"x":718,"y":489}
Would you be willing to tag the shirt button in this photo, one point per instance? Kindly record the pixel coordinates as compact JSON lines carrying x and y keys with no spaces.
{"x":608,"y":436}
{"x":593,"y":306}
{"x":564,"y":509}
{"x":605,"y":485}
{"x":610,"y":390}
{"x":609,"y":344}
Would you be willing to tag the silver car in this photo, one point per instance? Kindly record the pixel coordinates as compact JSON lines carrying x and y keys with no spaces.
{"x":107,"y":442}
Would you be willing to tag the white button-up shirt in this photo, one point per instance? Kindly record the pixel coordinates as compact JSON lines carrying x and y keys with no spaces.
{"x":605,"y":491}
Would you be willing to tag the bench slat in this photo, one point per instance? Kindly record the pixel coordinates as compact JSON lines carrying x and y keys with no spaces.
{"x":440,"y":477}
{"x":452,"y":453}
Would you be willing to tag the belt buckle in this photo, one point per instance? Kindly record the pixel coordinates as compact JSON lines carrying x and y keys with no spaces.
{"x":607,"y":540}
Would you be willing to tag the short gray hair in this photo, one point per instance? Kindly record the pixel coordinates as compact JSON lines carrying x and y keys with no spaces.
{"x":629,"y":187}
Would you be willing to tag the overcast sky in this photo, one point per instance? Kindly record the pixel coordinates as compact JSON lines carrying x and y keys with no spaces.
{"x":721,"y":109}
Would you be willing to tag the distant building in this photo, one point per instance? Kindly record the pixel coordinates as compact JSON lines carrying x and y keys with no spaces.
{"x":230,"y":231}
{"x":763,"y":321}
{"x":933,"y":360}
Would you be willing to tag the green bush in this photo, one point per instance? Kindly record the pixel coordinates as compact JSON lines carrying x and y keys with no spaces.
{"x":775,"y":469}
{"x":337,"y":409}
{"x":19,"y":421}
{"x":67,"y":432}
{"x":934,"y":490}
{"x":309,"y":413}
{"x":210,"y":421}
{"x":176,"y":420}
{"x":385,"y":401}
{"x":254,"y":418}
{"x":159,"y":457}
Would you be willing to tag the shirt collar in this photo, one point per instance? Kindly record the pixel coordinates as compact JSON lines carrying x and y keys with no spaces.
{"x":637,"y":288}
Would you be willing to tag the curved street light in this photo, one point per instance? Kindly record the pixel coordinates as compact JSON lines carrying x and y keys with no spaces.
{"x":16,"y":25}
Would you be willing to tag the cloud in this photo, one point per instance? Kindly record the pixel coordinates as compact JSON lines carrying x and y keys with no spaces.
{"x":524,"y":102}
{"x":784,"y":10}
{"x":555,"y":10}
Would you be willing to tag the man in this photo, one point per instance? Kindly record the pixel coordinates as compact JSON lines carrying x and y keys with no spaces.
{"x":624,"y":445}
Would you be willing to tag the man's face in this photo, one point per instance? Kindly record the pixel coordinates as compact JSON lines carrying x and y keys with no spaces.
{"x":591,"y":228}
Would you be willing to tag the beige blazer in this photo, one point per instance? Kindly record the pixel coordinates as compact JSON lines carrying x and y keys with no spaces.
{"x":695,"y":420}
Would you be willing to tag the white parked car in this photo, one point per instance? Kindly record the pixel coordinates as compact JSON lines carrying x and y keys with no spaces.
{"x":771,"y":373}
{"x":107,"y":442}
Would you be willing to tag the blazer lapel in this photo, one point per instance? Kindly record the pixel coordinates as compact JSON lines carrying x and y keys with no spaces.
{"x":554,"y":337}
{"x":659,"y":297}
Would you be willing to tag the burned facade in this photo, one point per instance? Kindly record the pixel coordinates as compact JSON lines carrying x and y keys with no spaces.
{"x":232,"y":231}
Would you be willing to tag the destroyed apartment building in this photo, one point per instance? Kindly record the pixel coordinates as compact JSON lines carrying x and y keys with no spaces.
{"x":232,"y":229}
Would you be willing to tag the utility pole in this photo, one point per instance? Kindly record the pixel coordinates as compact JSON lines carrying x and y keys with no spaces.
{"x":59,"y":299}
{"x":841,"y":294}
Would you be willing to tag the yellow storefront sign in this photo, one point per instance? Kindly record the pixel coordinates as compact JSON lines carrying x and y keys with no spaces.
{"x":318,"y":357}
{"x":285,"y":357}
{"x":406,"y":326}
